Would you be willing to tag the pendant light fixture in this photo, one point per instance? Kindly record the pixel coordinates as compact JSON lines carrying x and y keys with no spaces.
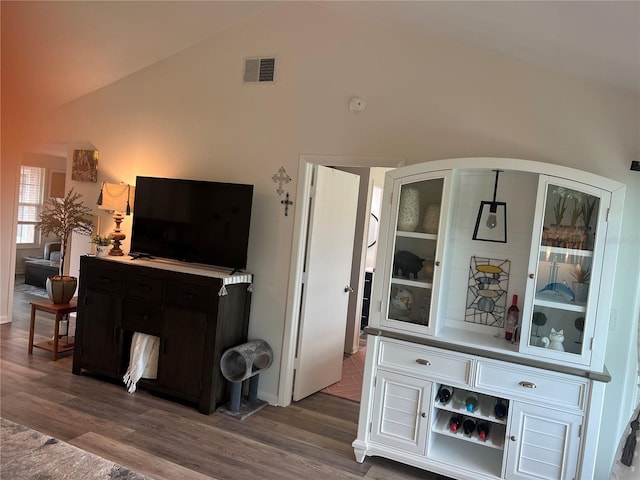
{"x":491,"y":224}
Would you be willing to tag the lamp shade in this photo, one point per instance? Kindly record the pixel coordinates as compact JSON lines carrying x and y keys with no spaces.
{"x":117,"y":197}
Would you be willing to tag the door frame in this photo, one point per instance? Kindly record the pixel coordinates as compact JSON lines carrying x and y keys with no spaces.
{"x":298,"y":248}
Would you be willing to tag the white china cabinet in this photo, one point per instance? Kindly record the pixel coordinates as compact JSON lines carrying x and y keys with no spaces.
{"x":438,"y":316}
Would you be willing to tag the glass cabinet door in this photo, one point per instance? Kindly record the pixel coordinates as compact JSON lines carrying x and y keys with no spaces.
{"x":565,"y":258}
{"x":414,"y":268}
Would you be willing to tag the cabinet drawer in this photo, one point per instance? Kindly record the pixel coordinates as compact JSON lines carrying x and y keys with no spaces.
{"x":104,"y":279}
{"x":189,"y":295}
{"x":142,"y":317}
{"x":145,"y":287}
{"x":428,"y":362}
{"x":532,"y":384}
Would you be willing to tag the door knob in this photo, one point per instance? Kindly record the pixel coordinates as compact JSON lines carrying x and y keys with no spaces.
{"x":348,"y":289}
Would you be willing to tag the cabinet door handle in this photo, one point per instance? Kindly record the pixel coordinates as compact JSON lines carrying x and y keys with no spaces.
{"x":532,"y":276}
{"x":528,"y":385}
{"x":423,"y":414}
{"x":422,"y":361}
{"x":437,"y":263}
{"x":513,"y":438}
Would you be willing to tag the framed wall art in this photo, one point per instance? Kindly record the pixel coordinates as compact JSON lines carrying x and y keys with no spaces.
{"x":85,"y":165}
{"x":487,"y":291}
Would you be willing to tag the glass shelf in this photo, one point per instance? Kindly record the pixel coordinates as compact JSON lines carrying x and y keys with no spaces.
{"x":418,"y":235}
{"x":411,"y":283}
{"x":569,"y":306}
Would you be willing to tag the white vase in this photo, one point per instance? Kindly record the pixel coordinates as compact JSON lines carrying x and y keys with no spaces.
{"x":431,"y":219}
{"x":408,"y":209}
{"x":102,"y":250}
{"x":581,"y":291}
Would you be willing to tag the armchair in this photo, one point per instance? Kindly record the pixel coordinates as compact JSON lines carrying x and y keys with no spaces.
{"x":36,"y":270}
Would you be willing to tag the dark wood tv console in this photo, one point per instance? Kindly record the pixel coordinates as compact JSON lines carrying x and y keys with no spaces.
{"x":198,"y":314}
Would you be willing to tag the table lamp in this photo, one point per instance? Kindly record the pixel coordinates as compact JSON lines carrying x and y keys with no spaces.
{"x":117,"y":198}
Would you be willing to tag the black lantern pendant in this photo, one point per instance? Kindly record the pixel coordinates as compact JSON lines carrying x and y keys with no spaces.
{"x":491,"y":224}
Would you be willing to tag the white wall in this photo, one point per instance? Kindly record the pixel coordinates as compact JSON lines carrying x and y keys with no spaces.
{"x":190,"y":116}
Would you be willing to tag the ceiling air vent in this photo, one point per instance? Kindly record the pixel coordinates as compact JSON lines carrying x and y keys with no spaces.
{"x":259,"y":70}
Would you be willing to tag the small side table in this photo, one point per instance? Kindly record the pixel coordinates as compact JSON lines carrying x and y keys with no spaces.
{"x":60,"y":311}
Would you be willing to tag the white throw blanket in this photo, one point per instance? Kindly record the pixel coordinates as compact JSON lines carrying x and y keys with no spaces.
{"x":143,"y":361}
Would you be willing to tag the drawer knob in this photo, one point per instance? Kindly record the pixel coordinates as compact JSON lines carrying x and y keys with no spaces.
{"x":528,"y":385}
{"x":531,"y":275}
{"x":422,"y":361}
{"x":513,"y":438}
{"x":423,"y":414}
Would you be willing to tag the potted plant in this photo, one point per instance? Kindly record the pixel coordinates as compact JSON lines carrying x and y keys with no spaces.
{"x":62,"y":217}
{"x":102,"y":242}
{"x":581,"y":285}
{"x":561,"y":205}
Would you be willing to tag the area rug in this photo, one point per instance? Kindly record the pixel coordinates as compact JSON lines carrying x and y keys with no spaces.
{"x":26,"y":454}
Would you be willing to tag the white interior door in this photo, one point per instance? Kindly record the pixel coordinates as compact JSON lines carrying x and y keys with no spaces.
{"x":326,"y":290}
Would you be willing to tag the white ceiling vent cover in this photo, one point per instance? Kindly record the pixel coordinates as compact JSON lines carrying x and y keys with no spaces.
{"x":259,"y":70}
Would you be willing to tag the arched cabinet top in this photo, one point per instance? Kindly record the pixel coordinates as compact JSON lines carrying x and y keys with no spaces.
{"x":509,"y":164}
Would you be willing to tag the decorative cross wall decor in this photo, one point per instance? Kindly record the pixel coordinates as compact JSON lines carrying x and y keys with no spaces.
{"x":281,"y":178}
{"x":286,"y":204}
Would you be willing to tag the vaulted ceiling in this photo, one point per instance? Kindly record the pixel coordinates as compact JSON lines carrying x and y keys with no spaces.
{"x":54,"y":52}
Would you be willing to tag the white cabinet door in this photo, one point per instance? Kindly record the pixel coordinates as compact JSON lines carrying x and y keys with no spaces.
{"x":400,"y":412}
{"x":410,"y":255}
{"x":559,"y":319}
{"x":543,"y":443}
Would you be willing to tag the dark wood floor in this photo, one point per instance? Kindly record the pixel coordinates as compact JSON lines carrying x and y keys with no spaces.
{"x":310,"y":439}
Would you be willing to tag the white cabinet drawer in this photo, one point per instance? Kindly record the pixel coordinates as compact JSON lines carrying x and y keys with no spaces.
{"x":427,"y":362}
{"x":531,"y":384}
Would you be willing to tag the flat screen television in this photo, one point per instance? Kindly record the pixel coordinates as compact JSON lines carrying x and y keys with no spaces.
{"x":192,"y":221}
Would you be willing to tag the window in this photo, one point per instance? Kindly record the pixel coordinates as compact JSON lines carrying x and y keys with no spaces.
{"x":30,"y":201}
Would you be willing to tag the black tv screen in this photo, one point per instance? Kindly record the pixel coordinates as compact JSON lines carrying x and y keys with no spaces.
{"x":192,"y":221}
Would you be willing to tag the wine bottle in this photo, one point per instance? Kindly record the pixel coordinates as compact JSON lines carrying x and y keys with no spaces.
{"x":512,"y":320}
{"x":454,"y":423}
{"x":468,"y":426}
{"x":500,"y":408}
{"x":471,"y":402}
{"x":483,"y":430}
{"x":444,"y":394}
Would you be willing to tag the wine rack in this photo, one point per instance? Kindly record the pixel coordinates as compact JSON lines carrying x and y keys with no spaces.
{"x":484,"y":412}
